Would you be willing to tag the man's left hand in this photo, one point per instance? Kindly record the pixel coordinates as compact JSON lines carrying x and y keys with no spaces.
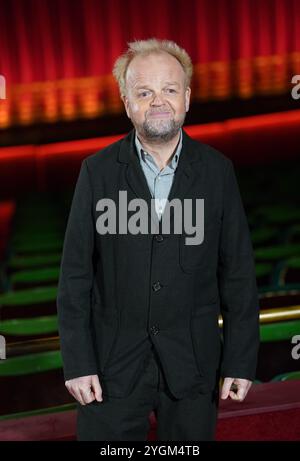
{"x":235,"y":388}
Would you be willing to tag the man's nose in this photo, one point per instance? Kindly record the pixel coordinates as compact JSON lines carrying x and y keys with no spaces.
{"x":157,"y":100}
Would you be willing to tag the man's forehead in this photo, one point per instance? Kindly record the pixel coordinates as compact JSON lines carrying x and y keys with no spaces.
{"x":145,"y":79}
{"x":169,"y":69}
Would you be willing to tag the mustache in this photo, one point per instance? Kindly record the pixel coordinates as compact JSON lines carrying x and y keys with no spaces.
{"x":159,"y":111}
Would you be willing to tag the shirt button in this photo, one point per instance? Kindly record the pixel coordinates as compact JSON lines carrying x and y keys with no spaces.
{"x":159,"y":238}
{"x":154,"y":329}
{"x":156,"y":286}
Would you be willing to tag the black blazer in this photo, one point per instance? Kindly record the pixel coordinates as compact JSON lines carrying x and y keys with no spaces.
{"x":119,"y":294}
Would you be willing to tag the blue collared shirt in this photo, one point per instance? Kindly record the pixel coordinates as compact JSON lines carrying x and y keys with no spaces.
{"x":159,"y":181}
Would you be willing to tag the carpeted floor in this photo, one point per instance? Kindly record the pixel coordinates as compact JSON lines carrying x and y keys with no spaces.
{"x":270,"y":412}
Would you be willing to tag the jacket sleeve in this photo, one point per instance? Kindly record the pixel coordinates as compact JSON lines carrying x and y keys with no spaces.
{"x":75,"y":284}
{"x":237,"y":286}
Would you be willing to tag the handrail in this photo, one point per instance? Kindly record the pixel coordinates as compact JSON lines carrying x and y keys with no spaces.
{"x":275,"y":315}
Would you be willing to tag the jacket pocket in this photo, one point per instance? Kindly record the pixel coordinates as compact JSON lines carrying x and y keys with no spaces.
{"x":203,"y":309}
{"x":203,"y":255}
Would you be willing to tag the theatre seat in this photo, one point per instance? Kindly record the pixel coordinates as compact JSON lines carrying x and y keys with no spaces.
{"x":276,"y":252}
{"x":32,"y":382}
{"x":33,"y":328}
{"x":17,"y":263}
{"x":35,"y":277}
{"x":28,"y":303}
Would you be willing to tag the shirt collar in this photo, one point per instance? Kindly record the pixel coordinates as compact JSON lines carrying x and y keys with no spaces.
{"x":175,"y":158}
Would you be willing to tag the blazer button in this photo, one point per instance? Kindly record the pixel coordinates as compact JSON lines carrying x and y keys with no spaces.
{"x":156,"y":286}
{"x":154,"y":330}
{"x":159,"y":238}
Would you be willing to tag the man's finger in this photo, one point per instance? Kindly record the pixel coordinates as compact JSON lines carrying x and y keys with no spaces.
{"x":97,"y":388}
{"x":74,"y":394}
{"x":77,"y":395}
{"x":87,"y":395}
{"x":226,"y":387}
{"x":240,"y":393}
{"x":235,"y":396}
{"x":244,"y":389}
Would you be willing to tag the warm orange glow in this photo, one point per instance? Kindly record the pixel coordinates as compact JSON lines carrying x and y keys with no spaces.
{"x":91,"y":96}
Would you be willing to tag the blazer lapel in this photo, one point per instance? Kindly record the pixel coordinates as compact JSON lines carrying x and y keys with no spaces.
{"x":185,"y":173}
{"x":134,"y":174}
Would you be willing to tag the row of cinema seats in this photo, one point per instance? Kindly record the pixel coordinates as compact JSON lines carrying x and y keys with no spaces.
{"x":32,"y":373}
{"x":31,"y":232}
{"x":30,"y":268}
{"x":271,"y":199}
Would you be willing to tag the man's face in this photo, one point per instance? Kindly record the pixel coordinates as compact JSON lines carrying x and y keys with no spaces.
{"x":156,"y":98}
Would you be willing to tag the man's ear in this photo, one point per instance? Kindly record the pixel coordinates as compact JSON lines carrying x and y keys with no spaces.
{"x":187,"y":98}
{"x":126,"y":105}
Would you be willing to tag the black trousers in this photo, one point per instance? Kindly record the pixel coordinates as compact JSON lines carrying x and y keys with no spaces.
{"x":114,"y":419}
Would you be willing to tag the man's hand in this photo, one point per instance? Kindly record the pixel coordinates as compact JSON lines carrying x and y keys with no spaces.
{"x":85,"y":389}
{"x":235,"y":388}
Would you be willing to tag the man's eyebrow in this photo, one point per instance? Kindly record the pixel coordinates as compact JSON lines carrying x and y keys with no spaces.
{"x":172,"y":83}
{"x":146,"y":87}
{"x":141,"y":87}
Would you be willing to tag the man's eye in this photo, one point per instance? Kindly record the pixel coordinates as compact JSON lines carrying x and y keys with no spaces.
{"x":170,"y":90}
{"x":144,"y":94}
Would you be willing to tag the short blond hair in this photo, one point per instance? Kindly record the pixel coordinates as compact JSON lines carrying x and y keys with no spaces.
{"x":146,"y":47}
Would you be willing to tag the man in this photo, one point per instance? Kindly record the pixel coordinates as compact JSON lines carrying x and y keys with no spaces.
{"x":138,"y":312}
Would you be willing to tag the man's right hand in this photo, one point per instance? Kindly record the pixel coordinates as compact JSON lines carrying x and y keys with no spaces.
{"x":85,"y":389}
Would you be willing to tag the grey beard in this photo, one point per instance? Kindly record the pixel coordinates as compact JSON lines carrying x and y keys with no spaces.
{"x":169,"y":133}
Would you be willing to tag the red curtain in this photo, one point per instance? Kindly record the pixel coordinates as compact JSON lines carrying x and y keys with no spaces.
{"x":57,"y":55}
